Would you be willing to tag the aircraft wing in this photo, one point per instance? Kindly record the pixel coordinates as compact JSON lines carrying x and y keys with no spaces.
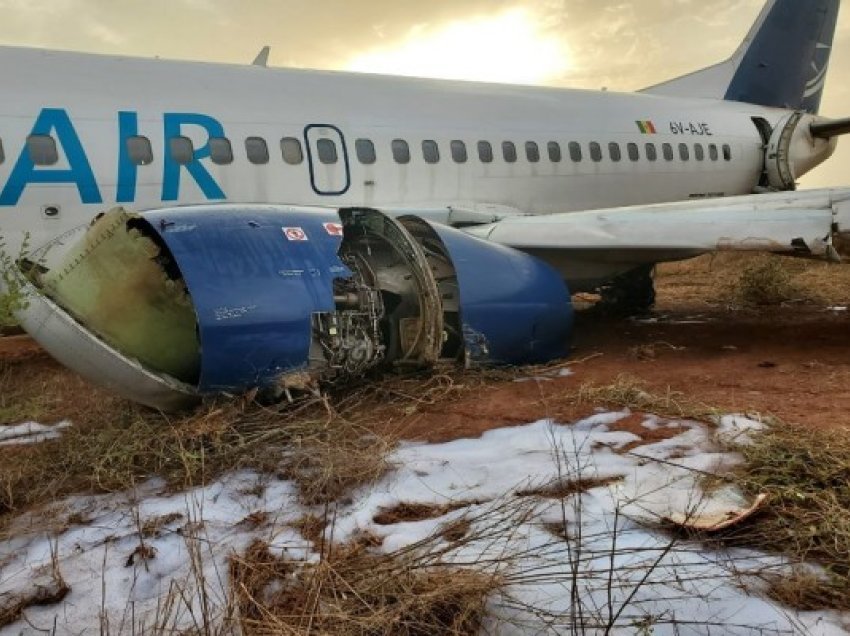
{"x":591,"y":247}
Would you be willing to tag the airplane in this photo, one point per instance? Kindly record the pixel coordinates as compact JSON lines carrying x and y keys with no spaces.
{"x":303,"y":226}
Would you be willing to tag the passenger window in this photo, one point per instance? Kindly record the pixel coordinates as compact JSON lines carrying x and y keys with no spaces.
{"x":459,"y":151}
{"x":509,"y":151}
{"x":633,"y":152}
{"x":181,"y":150}
{"x":401,"y":151}
{"x":532,"y":151}
{"x":699,"y":153}
{"x":42,"y":150}
{"x":257,"y":150}
{"x":554,"y":151}
{"x":684,"y":153}
{"x":139,"y":150}
{"x":727,"y":152}
{"x":668,"y":152}
{"x":221,"y":152}
{"x":327,"y":151}
{"x":614,"y":151}
{"x":365,"y":151}
{"x":485,"y":152}
{"x":430,"y":151}
{"x":595,"y":151}
{"x":651,"y":153}
{"x":712,"y":152}
{"x":290,"y":147}
{"x":575,"y":151}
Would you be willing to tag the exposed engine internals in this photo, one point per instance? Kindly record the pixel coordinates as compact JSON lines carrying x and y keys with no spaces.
{"x":392,"y":310}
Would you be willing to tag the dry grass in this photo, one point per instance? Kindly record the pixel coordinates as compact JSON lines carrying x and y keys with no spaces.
{"x":729,"y":278}
{"x":808,"y":591}
{"x":319,"y":448}
{"x":806,"y":474}
{"x":631,"y":392}
{"x":13,"y":604}
{"x":564,"y":488}
{"x":354,"y":592}
{"x":405,"y":511}
{"x":34,"y":388}
{"x":327,"y":446}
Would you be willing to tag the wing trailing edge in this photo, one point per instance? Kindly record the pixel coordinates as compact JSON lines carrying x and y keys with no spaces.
{"x":589,"y":247}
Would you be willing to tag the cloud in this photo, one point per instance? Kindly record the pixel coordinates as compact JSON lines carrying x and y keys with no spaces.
{"x":106,"y":34}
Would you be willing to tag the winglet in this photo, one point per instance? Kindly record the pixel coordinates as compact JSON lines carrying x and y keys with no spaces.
{"x":262,"y":58}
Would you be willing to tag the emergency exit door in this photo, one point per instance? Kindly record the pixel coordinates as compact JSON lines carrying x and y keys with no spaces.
{"x":327,"y":157}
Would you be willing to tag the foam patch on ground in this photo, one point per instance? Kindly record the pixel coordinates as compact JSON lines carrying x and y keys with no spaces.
{"x":570,"y":515}
{"x":30,"y":433}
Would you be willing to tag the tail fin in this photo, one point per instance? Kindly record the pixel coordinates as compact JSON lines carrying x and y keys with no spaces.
{"x":782,"y":62}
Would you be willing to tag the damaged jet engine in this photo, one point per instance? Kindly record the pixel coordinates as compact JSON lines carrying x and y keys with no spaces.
{"x":168,"y":306}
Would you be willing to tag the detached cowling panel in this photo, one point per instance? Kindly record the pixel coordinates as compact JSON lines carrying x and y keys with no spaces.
{"x":255,"y":277}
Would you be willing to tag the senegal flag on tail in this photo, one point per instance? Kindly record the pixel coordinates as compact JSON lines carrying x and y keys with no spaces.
{"x":647,"y":127}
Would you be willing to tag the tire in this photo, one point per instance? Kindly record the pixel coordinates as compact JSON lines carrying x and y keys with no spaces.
{"x":631,"y":293}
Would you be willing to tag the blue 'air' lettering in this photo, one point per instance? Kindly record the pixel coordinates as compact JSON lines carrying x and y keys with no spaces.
{"x":128,"y":126}
{"x":173,"y":123}
{"x":79,"y":171}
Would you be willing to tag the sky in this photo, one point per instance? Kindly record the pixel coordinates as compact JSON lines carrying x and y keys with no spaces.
{"x":593,"y":44}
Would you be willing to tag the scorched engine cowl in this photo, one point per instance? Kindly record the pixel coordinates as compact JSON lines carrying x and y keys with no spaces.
{"x":167,"y":306}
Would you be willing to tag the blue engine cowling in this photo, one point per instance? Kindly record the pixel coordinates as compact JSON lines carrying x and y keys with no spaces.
{"x":287,"y":296}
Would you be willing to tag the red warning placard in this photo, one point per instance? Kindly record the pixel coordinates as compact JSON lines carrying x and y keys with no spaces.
{"x":334,"y":229}
{"x":295,"y":234}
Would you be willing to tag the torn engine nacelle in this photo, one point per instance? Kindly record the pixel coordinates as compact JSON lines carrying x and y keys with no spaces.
{"x":794,"y":150}
{"x":171,"y":305}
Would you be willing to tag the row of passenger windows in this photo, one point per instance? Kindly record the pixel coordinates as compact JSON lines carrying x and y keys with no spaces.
{"x":510,"y":154}
{"x":43,"y":151}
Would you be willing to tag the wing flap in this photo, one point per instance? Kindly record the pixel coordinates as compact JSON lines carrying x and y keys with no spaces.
{"x":796,"y":222}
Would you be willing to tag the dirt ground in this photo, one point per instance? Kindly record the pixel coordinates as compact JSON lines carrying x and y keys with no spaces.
{"x":791,"y":361}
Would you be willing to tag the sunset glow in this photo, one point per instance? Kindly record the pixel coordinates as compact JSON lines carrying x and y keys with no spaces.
{"x":511,"y":46}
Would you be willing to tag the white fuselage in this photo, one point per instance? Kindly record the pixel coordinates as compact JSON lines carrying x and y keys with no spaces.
{"x":90,"y":105}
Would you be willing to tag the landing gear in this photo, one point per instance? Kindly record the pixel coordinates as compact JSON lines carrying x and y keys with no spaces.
{"x":629,"y":294}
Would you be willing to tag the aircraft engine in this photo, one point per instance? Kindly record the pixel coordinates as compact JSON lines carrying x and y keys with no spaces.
{"x":168,"y":306}
{"x":793,"y":150}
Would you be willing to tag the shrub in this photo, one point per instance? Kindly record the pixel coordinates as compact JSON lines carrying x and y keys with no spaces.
{"x":766,"y":281}
{"x":12,"y":298}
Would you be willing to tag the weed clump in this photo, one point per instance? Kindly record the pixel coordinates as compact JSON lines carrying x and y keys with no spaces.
{"x":12,"y":296}
{"x":766,"y":281}
{"x":352,"y":591}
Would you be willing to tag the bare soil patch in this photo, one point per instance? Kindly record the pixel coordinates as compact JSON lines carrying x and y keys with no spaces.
{"x":791,"y":360}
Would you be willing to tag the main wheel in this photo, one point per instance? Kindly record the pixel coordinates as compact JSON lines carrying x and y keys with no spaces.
{"x":631,"y":293}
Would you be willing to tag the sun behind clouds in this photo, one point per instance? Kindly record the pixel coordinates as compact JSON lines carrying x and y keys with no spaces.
{"x":512,"y":46}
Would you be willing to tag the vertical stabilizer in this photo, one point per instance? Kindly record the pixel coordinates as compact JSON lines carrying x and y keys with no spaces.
{"x":782,"y":62}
